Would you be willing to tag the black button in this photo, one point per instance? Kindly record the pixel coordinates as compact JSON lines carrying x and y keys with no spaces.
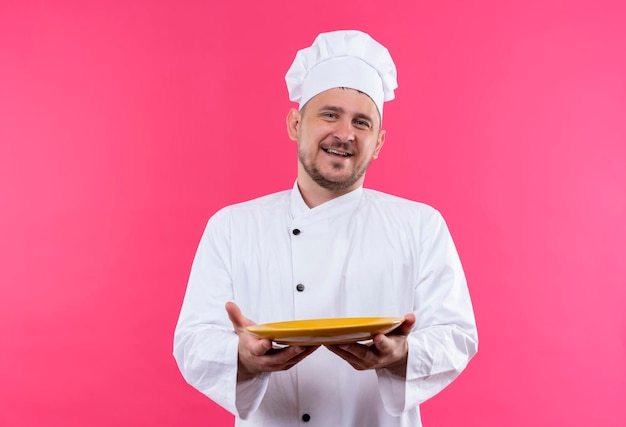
{"x":295,"y":231}
{"x":299,"y":287}
{"x":306,"y":418}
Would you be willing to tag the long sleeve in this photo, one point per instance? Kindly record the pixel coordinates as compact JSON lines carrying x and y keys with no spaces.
{"x":363,"y":254}
{"x":205,"y":345}
{"x":444,"y":338}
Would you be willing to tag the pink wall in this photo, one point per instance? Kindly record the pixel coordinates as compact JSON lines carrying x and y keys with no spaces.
{"x":124,"y":127}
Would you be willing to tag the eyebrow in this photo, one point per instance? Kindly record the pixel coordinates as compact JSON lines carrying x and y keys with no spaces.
{"x":342,"y":111}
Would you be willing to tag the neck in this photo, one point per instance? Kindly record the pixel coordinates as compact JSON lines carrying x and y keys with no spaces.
{"x":314,"y":195}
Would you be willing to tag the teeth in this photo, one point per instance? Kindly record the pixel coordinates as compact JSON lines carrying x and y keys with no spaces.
{"x":339,"y":153}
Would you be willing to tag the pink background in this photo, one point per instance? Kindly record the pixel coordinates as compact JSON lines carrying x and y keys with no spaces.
{"x":125,"y":125}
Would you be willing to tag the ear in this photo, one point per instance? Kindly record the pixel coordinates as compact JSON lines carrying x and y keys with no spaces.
{"x":293,"y":123}
{"x":379,"y":142}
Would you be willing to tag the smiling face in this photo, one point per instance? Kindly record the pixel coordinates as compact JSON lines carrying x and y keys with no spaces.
{"x":338,"y":134}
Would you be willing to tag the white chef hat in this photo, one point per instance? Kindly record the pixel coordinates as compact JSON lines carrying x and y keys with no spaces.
{"x":347,"y":58}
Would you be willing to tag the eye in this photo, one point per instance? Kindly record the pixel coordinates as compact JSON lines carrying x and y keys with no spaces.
{"x":362,"y":124}
{"x":328,"y":116}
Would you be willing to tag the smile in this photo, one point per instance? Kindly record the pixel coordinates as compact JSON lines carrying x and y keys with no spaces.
{"x":337,"y":153}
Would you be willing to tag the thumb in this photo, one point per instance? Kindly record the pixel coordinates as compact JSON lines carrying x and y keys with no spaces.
{"x":407,"y":325}
{"x":381,"y":342}
{"x":236,"y":317}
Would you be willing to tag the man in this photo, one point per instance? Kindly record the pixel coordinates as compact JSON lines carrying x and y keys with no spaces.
{"x":328,"y":248}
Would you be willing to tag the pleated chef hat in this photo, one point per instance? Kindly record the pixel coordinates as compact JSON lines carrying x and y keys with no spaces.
{"x":347,"y":58}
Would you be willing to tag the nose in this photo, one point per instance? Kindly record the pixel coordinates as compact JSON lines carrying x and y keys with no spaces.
{"x":344,"y":131}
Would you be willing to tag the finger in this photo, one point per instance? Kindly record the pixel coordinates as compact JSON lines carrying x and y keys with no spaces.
{"x":356,"y":362}
{"x":295,"y":352}
{"x":337,"y":350}
{"x":300,"y":353}
{"x":286,"y":357}
{"x":234,"y":313}
{"x":389,"y":345}
{"x":296,"y":359}
{"x":259,"y":347}
{"x":351,"y":351}
{"x":238,"y":320}
{"x":381,"y":342}
{"x":406,"y":326}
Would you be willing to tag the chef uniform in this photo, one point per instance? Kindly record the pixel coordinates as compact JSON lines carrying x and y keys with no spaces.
{"x":363,"y":254}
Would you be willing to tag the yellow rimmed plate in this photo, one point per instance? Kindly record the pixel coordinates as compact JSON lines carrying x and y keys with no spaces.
{"x":340,"y":330}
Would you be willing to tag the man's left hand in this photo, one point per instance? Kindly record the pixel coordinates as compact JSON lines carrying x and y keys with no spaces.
{"x":386,"y":351}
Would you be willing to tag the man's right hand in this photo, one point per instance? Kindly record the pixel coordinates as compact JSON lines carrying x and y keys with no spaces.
{"x":257,"y":355}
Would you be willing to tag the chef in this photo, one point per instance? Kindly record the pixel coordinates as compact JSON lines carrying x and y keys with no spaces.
{"x":328,"y":248}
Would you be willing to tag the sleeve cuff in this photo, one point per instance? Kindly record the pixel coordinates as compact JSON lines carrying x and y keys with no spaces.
{"x":392,"y":392}
{"x":249,"y":394}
